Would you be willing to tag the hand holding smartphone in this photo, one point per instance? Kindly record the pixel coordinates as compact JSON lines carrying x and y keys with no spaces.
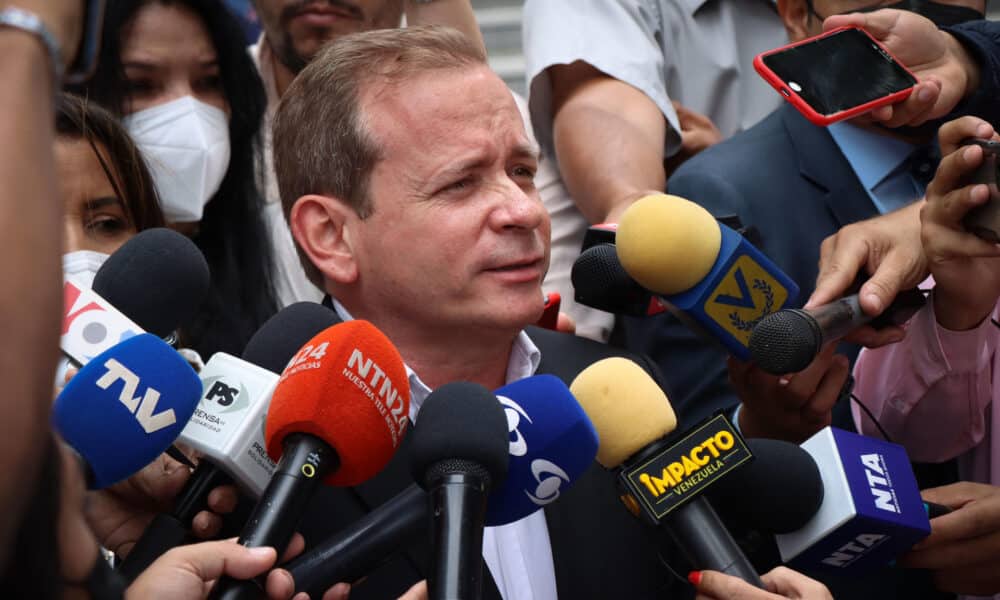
{"x":984,"y":220}
{"x":836,"y":75}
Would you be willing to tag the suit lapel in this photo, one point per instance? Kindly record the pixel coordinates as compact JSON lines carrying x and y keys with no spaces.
{"x":822,"y":163}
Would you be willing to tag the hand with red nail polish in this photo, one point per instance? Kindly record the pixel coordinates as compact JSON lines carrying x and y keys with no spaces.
{"x":782,"y":584}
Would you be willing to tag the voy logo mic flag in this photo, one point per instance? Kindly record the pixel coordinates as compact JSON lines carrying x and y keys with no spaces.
{"x":126,"y":406}
{"x":707,"y":273}
{"x":228,"y":423}
{"x":871,"y":511}
{"x":552,"y":443}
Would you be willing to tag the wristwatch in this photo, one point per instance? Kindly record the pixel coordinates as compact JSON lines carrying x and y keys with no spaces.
{"x":18,"y":18}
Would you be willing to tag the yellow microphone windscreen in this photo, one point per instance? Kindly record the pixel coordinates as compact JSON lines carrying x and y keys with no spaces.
{"x":667,"y":244}
{"x":626,"y":407}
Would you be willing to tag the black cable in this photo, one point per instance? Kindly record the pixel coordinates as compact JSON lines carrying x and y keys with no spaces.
{"x":872,"y":417}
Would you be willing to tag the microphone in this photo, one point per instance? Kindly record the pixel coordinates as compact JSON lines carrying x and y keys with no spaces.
{"x":708,"y":274}
{"x":600,"y":281}
{"x":458,"y":454}
{"x":871,"y":511}
{"x":227,"y":426}
{"x":661,"y":482}
{"x":551,"y":443}
{"x":126,"y":406}
{"x":788,"y":340}
{"x":337,"y":415}
{"x":155,"y":282}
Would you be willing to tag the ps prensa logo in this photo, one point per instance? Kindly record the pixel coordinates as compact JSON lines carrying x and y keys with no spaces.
{"x":216,"y":392}
{"x":745,"y":295}
{"x":667,"y":480}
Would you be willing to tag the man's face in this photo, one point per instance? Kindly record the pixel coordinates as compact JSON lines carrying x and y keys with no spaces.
{"x":297,"y":29}
{"x":458,"y":236}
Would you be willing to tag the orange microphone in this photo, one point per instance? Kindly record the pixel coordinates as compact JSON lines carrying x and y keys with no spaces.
{"x":337,"y":415}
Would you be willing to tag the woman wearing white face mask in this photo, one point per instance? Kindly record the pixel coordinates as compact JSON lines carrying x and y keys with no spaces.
{"x":178,"y":74}
{"x":108,"y":194}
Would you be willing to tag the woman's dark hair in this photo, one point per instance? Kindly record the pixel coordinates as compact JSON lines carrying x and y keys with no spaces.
{"x":232,"y":234}
{"x":79,"y":119}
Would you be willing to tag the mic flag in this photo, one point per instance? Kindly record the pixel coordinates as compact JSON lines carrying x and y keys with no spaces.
{"x":871,"y":511}
{"x":126,"y":407}
{"x":552,"y":443}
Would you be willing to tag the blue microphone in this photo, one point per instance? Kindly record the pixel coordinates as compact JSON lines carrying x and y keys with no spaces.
{"x":552,"y":443}
{"x":126,"y":407}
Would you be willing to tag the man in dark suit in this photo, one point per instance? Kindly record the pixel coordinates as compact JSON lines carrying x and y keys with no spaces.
{"x":406,"y":175}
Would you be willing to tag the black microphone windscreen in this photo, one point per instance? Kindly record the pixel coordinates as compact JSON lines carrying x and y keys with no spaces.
{"x":460,"y":421}
{"x":785,"y":342}
{"x":283,"y":335}
{"x":159,"y":279}
{"x":597,"y":273}
{"x":779,"y":491}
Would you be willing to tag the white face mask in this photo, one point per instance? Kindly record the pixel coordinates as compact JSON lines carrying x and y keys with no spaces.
{"x":82,"y":266}
{"x":186,"y":144}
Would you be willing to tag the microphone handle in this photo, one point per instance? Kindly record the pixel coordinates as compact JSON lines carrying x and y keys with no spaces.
{"x":360,"y":548}
{"x":707,"y":544}
{"x":458,"y":515}
{"x":194,"y":497}
{"x":838,"y":318}
{"x":162,"y":534}
{"x":305,"y":461}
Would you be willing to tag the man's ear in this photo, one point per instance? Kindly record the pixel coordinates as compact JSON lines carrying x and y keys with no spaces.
{"x":321,"y":226}
{"x":797,"y":18}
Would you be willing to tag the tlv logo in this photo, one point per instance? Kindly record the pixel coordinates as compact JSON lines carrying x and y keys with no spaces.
{"x":216,"y":391}
{"x":144,"y":407}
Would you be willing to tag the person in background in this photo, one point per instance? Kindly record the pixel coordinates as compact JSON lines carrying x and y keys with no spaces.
{"x":179,"y":76}
{"x":293,"y":32}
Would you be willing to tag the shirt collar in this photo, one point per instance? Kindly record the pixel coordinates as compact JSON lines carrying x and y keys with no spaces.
{"x":524,"y":359}
{"x":694,"y":6}
{"x":873,"y":157}
{"x":263,"y":57}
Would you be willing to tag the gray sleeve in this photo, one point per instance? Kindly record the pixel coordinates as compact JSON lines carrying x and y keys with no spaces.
{"x":619,"y":37}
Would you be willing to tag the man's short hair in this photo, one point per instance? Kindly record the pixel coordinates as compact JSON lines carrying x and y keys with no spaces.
{"x":321,"y":143}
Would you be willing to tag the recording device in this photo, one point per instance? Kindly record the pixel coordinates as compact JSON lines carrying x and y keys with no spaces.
{"x":337,"y":415}
{"x":156,"y":281}
{"x":984,"y":220}
{"x":871,"y":510}
{"x":600,"y":281}
{"x":550,"y":314}
{"x":227,"y":427}
{"x":836,"y":75}
{"x":788,"y":340}
{"x":709,"y":275}
{"x":662,"y":481}
{"x":126,"y":407}
{"x":458,"y":454}
{"x":85,"y":60}
{"x":551,"y":443}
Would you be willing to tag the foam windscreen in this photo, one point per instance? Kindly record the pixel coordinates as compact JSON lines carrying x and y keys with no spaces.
{"x":551,"y":443}
{"x":159,"y":279}
{"x":281,"y":336}
{"x":127,"y":406}
{"x":777,"y":492}
{"x":628,"y":409}
{"x":460,"y":421}
{"x":347,"y":386}
{"x":667,"y":244}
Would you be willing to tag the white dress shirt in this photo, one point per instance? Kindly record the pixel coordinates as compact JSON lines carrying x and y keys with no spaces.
{"x":519,"y":554}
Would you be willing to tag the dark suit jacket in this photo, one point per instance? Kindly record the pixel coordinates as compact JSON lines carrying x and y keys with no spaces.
{"x":786,"y":178}
{"x":599,"y":550}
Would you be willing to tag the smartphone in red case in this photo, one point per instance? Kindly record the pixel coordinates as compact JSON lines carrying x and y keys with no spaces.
{"x":550,"y":317}
{"x":835,"y":76}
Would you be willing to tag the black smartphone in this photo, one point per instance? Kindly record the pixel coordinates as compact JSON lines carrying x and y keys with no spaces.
{"x":836,"y":75}
{"x":984,"y":221}
{"x":90,"y":43}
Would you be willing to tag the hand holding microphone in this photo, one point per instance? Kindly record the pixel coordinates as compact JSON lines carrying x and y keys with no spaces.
{"x":781,"y":583}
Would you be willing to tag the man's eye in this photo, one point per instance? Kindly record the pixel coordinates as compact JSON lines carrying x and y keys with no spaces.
{"x":523,"y":171}
{"x":459,"y":185}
